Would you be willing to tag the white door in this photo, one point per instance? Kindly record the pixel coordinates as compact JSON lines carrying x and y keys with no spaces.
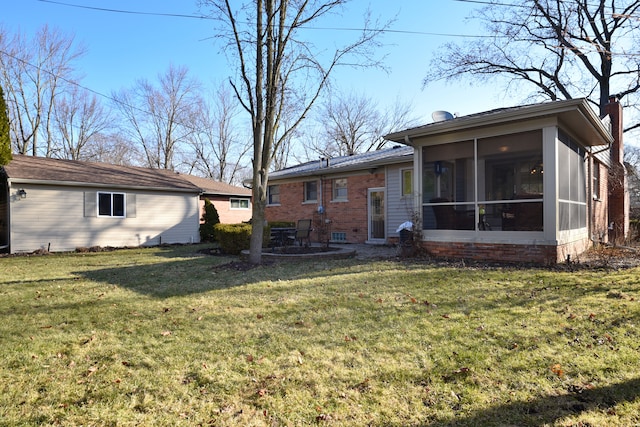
{"x":376,"y":215}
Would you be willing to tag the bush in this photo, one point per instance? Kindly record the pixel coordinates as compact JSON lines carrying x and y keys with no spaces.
{"x":234,"y":238}
{"x":282,"y":224}
{"x":211,"y":218}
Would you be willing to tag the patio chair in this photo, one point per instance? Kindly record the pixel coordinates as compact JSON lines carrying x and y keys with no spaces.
{"x":303,"y":232}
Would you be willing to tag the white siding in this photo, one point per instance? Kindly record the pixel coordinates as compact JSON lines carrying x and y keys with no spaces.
{"x":399,"y":209}
{"x":54,"y":218}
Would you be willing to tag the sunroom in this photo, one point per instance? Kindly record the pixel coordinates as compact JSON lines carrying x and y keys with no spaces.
{"x":518,"y":184}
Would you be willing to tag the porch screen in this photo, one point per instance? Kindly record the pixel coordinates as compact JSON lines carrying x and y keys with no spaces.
{"x":504,"y":172}
{"x":448,"y":184}
{"x":572,"y":184}
{"x":510,"y":184}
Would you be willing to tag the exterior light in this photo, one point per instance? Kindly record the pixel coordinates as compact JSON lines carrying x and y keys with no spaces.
{"x":22,"y":193}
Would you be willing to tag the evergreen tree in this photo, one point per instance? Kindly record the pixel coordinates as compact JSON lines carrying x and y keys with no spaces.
{"x":210,"y":218}
{"x":5,"y":141}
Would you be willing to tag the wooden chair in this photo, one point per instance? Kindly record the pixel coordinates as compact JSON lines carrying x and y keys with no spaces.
{"x":303,"y":232}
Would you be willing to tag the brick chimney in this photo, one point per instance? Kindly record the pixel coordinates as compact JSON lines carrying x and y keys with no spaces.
{"x":618,"y":205}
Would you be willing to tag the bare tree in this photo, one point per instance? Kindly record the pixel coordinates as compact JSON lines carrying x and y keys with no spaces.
{"x":352,"y":124}
{"x":276,"y":71}
{"x":220,"y":149}
{"x":79,"y":118}
{"x":561,"y":49}
{"x":111,"y":148}
{"x":34,"y":73}
{"x":159,"y":118}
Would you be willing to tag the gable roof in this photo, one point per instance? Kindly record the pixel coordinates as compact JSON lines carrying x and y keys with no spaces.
{"x":398,"y":154}
{"x":209,"y":186}
{"x":576,"y":114}
{"x":40,"y":170}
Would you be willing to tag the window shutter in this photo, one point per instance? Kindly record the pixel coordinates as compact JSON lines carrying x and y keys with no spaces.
{"x":131,"y":205}
{"x":90,"y":208}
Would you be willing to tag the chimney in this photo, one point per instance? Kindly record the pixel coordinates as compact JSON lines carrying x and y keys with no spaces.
{"x":618,"y":204}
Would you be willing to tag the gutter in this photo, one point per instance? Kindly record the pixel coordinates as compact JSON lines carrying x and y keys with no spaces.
{"x":11,"y":181}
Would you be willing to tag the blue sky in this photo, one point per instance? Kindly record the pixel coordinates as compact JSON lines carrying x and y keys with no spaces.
{"x":123,"y":47}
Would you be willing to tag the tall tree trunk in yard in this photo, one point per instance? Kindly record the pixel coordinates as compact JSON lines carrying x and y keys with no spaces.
{"x":269,"y":59}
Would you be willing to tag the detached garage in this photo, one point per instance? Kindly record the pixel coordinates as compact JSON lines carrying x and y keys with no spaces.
{"x":60,"y":205}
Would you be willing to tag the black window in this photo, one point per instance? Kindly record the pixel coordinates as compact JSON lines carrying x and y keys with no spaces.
{"x":111,"y":204}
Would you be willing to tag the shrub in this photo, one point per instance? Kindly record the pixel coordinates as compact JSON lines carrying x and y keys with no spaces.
{"x":282,"y":224}
{"x":234,"y":238}
{"x":211,"y":218}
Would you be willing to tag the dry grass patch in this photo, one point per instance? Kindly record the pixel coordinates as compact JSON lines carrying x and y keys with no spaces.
{"x":164,"y":337}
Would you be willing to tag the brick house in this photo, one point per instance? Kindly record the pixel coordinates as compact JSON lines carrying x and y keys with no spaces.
{"x":232,"y":203}
{"x":350,"y":199}
{"x":536,"y":183}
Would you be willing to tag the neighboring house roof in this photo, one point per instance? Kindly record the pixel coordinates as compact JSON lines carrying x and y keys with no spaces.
{"x":371,"y":159}
{"x":209,"y":186}
{"x":41,"y":170}
{"x":577,"y":114}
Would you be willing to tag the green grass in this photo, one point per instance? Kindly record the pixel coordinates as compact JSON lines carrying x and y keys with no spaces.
{"x":162,"y":337}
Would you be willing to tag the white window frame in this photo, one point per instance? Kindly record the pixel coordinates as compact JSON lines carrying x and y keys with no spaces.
{"x":403,"y":181}
{"x":336,"y":187}
{"x":269,"y":201}
{"x":239,"y":200}
{"x":111,"y":204}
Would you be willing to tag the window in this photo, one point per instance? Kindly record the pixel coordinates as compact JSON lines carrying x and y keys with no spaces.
{"x":111,"y":204}
{"x":239,"y":203}
{"x":407,"y":182}
{"x":338,"y":236}
{"x":311,"y":191}
{"x":340,"y":189}
{"x":273,"y":195}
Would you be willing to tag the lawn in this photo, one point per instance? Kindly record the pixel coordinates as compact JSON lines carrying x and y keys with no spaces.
{"x":165,"y":337}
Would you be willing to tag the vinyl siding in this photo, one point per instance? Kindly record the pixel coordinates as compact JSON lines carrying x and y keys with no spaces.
{"x":53,"y":218}
{"x":399,"y":209}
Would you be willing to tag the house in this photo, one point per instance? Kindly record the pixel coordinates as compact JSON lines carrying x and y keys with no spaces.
{"x":232,"y":203}
{"x":61,"y":205}
{"x":537,"y":183}
{"x":351,"y":199}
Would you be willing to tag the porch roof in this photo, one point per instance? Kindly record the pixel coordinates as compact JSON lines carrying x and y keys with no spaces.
{"x":576,"y":114}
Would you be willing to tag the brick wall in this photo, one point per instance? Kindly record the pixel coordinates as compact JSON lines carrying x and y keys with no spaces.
{"x":226,"y":214}
{"x":541,"y":254}
{"x":349,"y":217}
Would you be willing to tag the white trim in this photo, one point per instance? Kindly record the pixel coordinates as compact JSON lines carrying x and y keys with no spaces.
{"x":111,"y":193}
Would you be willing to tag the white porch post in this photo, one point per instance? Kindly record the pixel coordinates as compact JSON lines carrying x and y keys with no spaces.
{"x":550,"y":182}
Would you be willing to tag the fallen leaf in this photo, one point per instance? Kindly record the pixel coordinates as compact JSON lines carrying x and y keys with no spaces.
{"x":557,"y":369}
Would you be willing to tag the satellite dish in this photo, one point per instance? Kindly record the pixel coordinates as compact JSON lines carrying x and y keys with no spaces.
{"x":440,"y":116}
